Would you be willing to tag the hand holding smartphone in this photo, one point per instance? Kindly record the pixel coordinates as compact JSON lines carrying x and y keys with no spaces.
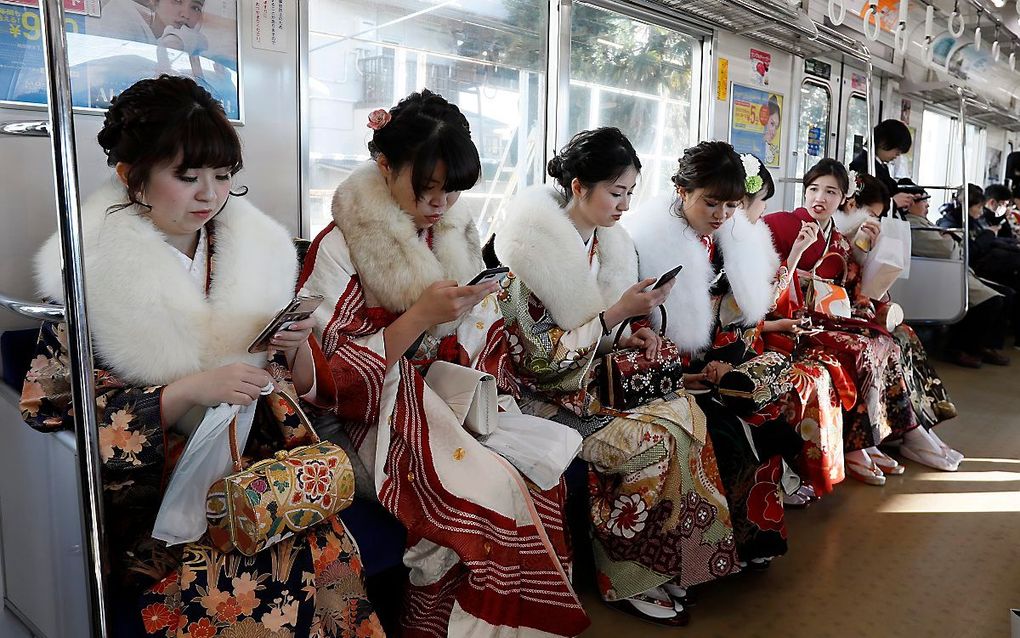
{"x":667,"y":277}
{"x":489,"y":274}
{"x":298,"y":309}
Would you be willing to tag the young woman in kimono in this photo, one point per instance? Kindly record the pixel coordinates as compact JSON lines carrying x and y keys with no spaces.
{"x":182,"y":274}
{"x":868,"y":352}
{"x":928,"y":395}
{"x":659,"y":521}
{"x":694,"y":226}
{"x":487,"y":551}
{"x":805,"y":423}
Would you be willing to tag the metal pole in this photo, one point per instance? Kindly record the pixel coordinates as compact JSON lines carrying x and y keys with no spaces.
{"x":79,"y":345}
{"x":871,"y":153}
{"x":964,"y":198}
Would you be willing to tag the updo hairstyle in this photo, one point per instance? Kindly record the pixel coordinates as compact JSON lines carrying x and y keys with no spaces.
{"x":715,"y":167}
{"x":828,"y":166}
{"x":599,"y":155}
{"x":872,"y":191}
{"x":425,"y":129}
{"x":768,"y":184}
{"x":167,"y":119}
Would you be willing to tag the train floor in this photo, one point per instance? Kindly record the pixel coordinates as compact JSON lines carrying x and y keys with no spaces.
{"x":930,"y":554}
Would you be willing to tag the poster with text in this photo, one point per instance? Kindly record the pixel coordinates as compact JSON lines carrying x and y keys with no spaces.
{"x":111,"y":44}
{"x":760,"y":63}
{"x":756,"y":123}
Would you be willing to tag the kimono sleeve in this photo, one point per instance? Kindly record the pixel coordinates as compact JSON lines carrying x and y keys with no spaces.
{"x":353,"y":348}
{"x":131,"y":434}
{"x":557,"y":360}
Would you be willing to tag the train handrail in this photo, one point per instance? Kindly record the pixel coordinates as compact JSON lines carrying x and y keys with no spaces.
{"x":33,"y":309}
{"x":79,"y":345}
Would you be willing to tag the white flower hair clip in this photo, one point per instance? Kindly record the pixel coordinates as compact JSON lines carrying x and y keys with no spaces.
{"x":854,"y":181}
{"x":752,"y":167}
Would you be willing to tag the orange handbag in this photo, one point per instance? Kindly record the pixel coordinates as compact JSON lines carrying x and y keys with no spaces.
{"x":273,"y":499}
{"x":825,"y":296}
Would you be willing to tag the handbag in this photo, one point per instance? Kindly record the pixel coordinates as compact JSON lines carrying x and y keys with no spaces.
{"x":471,"y":394}
{"x":825,"y":296}
{"x":751,"y":386}
{"x":273,"y":499}
{"x":627,"y":378}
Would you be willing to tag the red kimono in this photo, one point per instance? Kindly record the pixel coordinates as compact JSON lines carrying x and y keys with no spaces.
{"x":866,"y":351}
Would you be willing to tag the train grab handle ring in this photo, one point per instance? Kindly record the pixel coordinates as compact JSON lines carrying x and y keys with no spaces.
{"x":977,"y":39}
{"x":995,"y":50}
{"x":900,"y":40}
{"x":929,"y":50}
{"x":869,"y":32}
{"x":842,"y":11}
{"x":955,"y":15}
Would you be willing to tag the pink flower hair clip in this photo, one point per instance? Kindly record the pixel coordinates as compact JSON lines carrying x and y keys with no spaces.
{"x":378,"y":118}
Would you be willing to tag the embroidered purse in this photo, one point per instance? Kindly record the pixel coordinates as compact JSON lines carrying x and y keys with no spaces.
{"x":751,"y":386}
{"x":273,"y":499}
{"x":827,"y":297}
{"x":627,"y":378}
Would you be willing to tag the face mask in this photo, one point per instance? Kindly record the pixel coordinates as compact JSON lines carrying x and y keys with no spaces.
{"x":1001,"y":210}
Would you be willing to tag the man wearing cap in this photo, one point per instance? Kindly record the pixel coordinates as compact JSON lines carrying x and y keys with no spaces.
{"x":979,"y":337}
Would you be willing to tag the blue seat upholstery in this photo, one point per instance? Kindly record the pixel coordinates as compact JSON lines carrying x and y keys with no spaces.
{"x":16,"y":350}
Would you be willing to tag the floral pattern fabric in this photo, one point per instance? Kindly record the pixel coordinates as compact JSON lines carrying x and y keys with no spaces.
{"x":656,"y":505}
{"x":867,"y":352}
{"x":310,"y":584}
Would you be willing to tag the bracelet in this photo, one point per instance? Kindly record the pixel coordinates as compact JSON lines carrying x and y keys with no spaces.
{"x":602,"y":320}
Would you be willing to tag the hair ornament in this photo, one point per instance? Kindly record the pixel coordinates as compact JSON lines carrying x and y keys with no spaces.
{"x":752,"y":179}
{"x":855,"y":182}
{"x":378,"y":119}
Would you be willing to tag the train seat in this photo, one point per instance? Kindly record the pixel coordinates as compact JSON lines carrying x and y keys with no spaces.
{"x":935,"y":292}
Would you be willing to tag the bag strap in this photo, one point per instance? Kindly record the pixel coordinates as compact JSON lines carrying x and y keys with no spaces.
{"x":625,"y":323}
{"x":235,"y":453}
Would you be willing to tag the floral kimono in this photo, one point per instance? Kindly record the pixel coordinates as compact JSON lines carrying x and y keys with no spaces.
{"x":657,"y":512}
{"x":868,"y":353}
{"x":155,"y":318}
{"x":487,"y":550}
{"x":664,"y":240}
{"x":928,"y":395}
{"x":808,"y":389}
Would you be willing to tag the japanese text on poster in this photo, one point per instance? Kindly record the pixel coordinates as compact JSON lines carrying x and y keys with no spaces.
{"x":268,"y":25}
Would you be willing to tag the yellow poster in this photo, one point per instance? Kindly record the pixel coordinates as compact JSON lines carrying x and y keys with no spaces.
{"x":723,"y":80}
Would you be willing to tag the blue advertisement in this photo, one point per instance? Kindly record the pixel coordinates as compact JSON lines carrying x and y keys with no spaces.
{"x":756,"y":122}
{"x":114,"y":43}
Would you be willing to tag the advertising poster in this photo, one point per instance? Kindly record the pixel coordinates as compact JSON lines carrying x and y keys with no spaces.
{"x":760,"y":62}
{"x":756,"y":123}
{"x":113,"y":43}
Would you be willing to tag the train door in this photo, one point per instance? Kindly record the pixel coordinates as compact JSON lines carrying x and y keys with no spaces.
{"x":817,"y":90}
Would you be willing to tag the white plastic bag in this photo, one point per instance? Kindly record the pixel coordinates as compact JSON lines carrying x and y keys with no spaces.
{"x":882,"y":267}
{"x":541,"y":449}
{"x":899,"y":228}
{"x":205,"y":460}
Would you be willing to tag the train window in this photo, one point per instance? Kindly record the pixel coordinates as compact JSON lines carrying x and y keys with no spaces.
{"x":488,"y":59}
{"x":940,"y":167}
{"x":642,"y":78}
{"x":856,"y":127}
{"x":812,"y":127}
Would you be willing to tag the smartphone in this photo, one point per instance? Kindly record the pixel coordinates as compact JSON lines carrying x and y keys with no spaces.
{"x":668,"y":277}
{"x":298,"y":309}
{"x":489,"y":274}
